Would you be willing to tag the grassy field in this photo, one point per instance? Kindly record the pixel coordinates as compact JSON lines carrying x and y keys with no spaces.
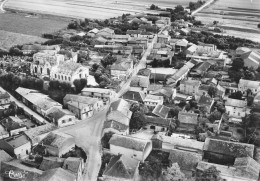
{"x":235,"y":15}
{"x":9,"y":39}
{"x":31,"y":25}
{"x":96,"y":9}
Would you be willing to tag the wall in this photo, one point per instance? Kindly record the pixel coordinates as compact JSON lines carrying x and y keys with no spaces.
{"x":17,"y":131}
{"x":20,"y":152}
{"x":69,"y":120}
{"x":127,"y":152}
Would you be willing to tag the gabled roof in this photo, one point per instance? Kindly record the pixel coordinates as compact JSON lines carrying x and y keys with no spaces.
{"x":107,"y":30}
{"x":115,"y":125}
{"x":161,"y":111}
{"x":248,"y":164}
{"x":72,"y":164}
{"x":120,"y":106}
{"x":33,"y":133}
{"x":57,"y":174}
{"x":121,"y":167}
{"x":140,"y":81}
{"x":69,"y":67}
{"x":242,"y":50}
{"x":186,"y":160}
{"x":190,"y":82}
{"x":172,"y":79}
{"x":249,"y":83}
{"x":182,"y":42}
{"x":129,"y":142}
{"x":4,"y":95}
{"x":251,"y":56}
{"x":167,"y":92}
{"x":150,"y":97}
{"x":134,"y":96}
{"x":235,"y":103}
{"x":234,"y":149}
{"x":165,"y":122}
{"x":121,"y":65}
{"x":17,"y":141}
{"x":80,"y":99}
{"x":154,"y":87}
{"x":51,"y":163}
{"x":97,"y":90}
{"x":188,"y":118}
{"x":202,"y":67}
{"x":57,"y":113}
{"x":57,"y":139}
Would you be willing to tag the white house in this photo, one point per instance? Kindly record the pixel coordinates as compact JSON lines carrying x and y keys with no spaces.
{"x":43,"y":63}
{"x":18,"y":146}
{"x":244,"y":85}
{"x":140,"y":83}
{"x":4,"y":98}
{"x":151,"y":101}
{"x":104,"y":94}
{"x":236,"y":108}
{"x":129,"y":146}
{"x":251,"y":59}
{"x":61,"y":117}
{"x":122,"y":69}
{"x":69,"y":71}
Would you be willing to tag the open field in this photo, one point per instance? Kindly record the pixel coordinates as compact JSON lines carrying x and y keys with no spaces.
{"x":96,"y":9}
{"x":31,"y":25}
{"x":9,"y":39}
{"x":239,"y":16}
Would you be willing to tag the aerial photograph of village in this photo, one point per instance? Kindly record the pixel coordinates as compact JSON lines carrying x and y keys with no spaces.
{"x":129,"y":90}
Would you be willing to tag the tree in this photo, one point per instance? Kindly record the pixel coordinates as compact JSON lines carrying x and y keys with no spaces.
{"x":216,"y":115}
{"x":105,"y":139}
{"x":179,"y":8}
{"x":153,"y":7}
{"x":258,"y":25}
{"x":151,"y":170}
{"x":79,"y":84}
{"x":237,"y":64}
{"x":236,"y":95}
{"x":108,"y":60}
{"x":137,"y":120}
{"x":173,"y":173}
{"x":212,"y":91}
{"x":210,"y":174}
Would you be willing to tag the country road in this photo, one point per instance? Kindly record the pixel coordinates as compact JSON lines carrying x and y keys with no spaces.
{"x":202,"y":7}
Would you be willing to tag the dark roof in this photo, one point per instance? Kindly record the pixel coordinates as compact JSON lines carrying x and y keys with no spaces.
{"x":121,"y":167}
{"x":161,"y":111}
{"x":144,"y":72}
{"x":234,"y":149}
{"x":202,"y":67}
{"x":57,"y":113}
{"x":57,"y":139}
{"x":72,"y":164}
{"x":248,"y":164}
{"x":205,"y":100}
{"x":115,"y":125}
{"x":129,"y":142}
{"x":10,"y":124}
{"x":57,"y":174}
{"x":186,"y":160}
{"x":51,"y":162}
{"x":166,"y":92}
{"x":17,"y":141}
{"x":134,"y":96}
{"x":154,"y":87}
{"x":158,"y":121}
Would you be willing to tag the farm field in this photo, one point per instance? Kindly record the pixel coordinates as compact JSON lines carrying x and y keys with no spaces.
{"x":9,"y":39}
{"x":30,"y":25}
{"x":240,"y":17}
{"x":95,"y":9}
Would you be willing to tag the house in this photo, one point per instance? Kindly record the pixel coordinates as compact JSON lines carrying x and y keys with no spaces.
{"x":92,"y":32}
{"x":187,"y":120}
{"x":189,"y":87}
{"x":206,"y":48}
{"x":251,"y":59}
{"x":69,"y":71}
{"x":43,"y":63}
{"x":154,"y":87}
{"x":58,"y":144}
{"x":61,"y":117}
{"x":156,"y":123}
{"x":229,"y":173}
{"x":37,"y":101}
{"x":229,"y":151}
{"x":18,"y":146}
{"x":134,"y":33}
{"x":51,"y":163}
{"x":181,"y":45}
{"x":74,"y":165}
{"x":104,"y":94}
{"x":192,"y":49}
{"x":248,"y":164}
{"x":166,"y":92}
{"x":200,"y":69}
{"x":140,"y":83}
{"x":230,"y":87}
{"x":57,"y":174}
{"x":133,"y":96}
{"x":184,"y":31}
{"x":83,"y":107}
{"x":12,"y":126}
{"x":161,"y":111}
{"x":187,"y":160}
{"x":118,"y":117}
{"x":16,"y":170}
{"x":36,"y":134}
{"x":160,"y":74}
{"x":3,"y":132}
{"x":4,"y":98}
{"x":122,"y":69}
{"x":30,"y":49}
{"x":136,"y":148}
{"x":205,"y":103}
{"x":106,"y":33}
{"x":242,"y":50}
{"x":244,"y":85}
{"x":129,"y":171}
{"x":151,"y":101}
{"x":163,"y":38}
{"x":236,"y":109}
{"x":146,"y":34}
{"x":178,"y":76}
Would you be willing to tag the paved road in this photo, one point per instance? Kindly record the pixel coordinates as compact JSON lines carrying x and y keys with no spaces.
{"x":87,"y":134}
